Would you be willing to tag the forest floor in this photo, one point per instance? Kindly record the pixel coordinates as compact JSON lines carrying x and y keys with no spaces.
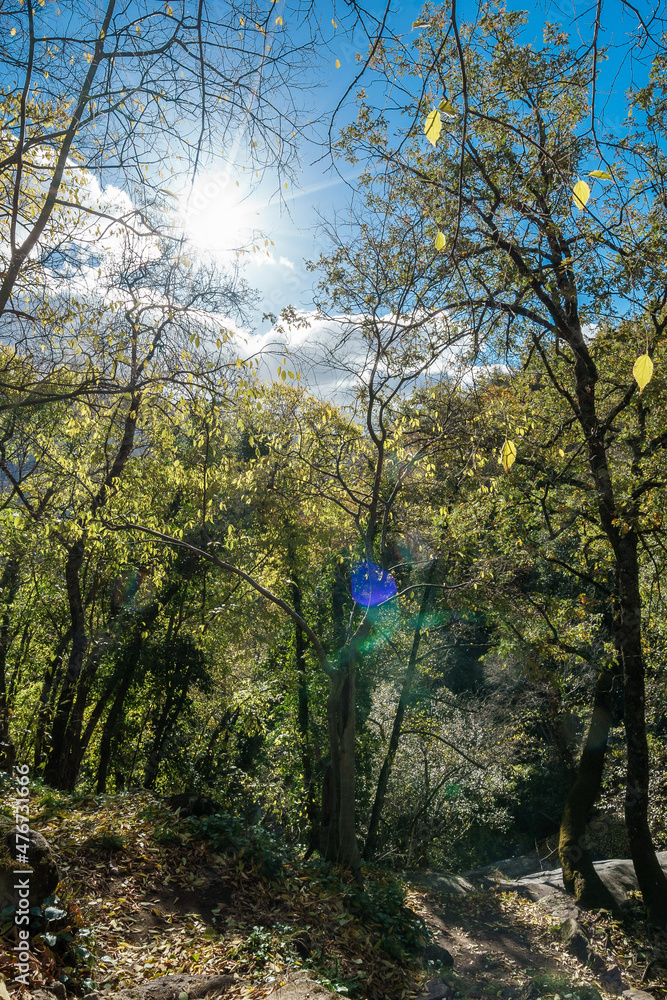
{"x":143,"y":896}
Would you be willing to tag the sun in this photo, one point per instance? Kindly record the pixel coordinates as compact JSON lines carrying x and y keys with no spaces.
{"x":218,"y":216}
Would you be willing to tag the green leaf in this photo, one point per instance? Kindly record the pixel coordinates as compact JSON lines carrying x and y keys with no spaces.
{"x":448,"y":108}
{"x":440,"y":241}
{"x":433,"y":126}
{"x":643,"y":371}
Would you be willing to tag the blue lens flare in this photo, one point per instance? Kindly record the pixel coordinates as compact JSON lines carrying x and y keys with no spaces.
{"x":371,"y":585}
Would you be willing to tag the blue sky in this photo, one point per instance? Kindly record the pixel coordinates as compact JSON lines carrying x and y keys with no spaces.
{"x":291,"y":218}
{"x":227,"y":204}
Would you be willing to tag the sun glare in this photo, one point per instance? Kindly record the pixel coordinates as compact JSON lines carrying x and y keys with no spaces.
{"x":218,"y":216}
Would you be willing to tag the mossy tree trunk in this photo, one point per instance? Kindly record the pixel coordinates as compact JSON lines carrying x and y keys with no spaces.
{"x":580,"y":877}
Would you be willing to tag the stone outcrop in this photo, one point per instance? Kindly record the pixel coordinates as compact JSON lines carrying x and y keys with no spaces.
{"x":43,"y":877}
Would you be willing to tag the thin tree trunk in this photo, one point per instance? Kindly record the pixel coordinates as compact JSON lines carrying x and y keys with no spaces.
{"x":580,"y":878}
{"x":394,"y":739}
{"x":312,"y":811}
{"x":49,"y":686}
{"x":627,"y":630}
{"x":9,"y":583}
{"x":56,"y":770}
{"x":61,"y":769}
{"x":109,"y":729}
{"x":628,"y":639}
{"x":338,"y":833}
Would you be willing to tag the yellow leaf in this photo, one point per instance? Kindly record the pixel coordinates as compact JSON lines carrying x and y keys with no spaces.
{"x":581,"y":193}
{"x":604,"y":175}
{"x":337,"y":63}
{"x":508,"y":455}
{"x":447,"y":107}
{"x":440,"y":241}
{"x":13,"y":31}
{"x":433,"y":126}
{"x":334,"y":23}
{"x":279,"y":20}
{"x":643,"y":371}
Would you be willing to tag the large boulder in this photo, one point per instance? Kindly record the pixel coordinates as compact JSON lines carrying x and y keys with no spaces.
{"x":619,"y":877}
{"x":175,"y":987}
{"x":42,"y":874}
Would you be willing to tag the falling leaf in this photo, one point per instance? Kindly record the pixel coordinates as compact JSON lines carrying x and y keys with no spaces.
{"x":581,"y":193}
{"x":643,"y":371}
{"x":447,"y":107}
{"x":433,"y":126}
{"x":334,"y":23}
{"x":440,"y":241}
{"x":279,"y":20}
{"x":508,"y":455}
{"x":13,"y":31}
{"x":604,"y":175}
{"x":337,"y":63}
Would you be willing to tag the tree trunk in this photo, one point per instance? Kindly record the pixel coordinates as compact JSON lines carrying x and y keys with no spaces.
{"x":628,"y":639}
{"x":108,"y":730}
{"x":61,"y":769}
{"x":387,"y":764}
{"x":9,"y":583}
{"x":47,"y":696}
{"x":312,"y":811}
{"x":627,"y":631}
{"x":338,"y":836}
{"x":56,"y":771}
{"x":580,"y":878}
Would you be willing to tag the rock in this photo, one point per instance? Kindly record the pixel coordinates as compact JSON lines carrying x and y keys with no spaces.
{"x":438,"y":990}
{"x":300,"y":988}
{"x":436,"y":953}
{"x":169,"y":988}
{"x":618,"y":875}
{"x":637,"y":995}
{"x":573,"y":938}
{"x":560,"y":905}
{"x":42,"y":879}
{"x":612,"y":980}
{"x":513,"y":868}
{"x":452,"y":885}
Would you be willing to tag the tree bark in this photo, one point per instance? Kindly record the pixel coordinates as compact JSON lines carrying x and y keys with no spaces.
{"x":61,"y":770}
{"x":627,"y":630}
{"x":9,"y":583}
{"x":56,"y":771}
{"x":312,"y":811}
{"x":338,"y":833}
{"x":394,"y":739}
{"x":580,"y":878}
{"x":628,"y":639}
{"x":108,"y":730}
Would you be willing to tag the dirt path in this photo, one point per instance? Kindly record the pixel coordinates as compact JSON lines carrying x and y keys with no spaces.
{"x":506,"y":946}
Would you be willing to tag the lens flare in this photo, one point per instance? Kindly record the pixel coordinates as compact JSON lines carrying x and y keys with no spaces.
{"x":371,"y":585}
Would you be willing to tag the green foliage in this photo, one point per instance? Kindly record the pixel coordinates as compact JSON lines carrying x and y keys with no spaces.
{"x":105,"y":841}
{"x":381,"y":904}
{"x":252,"y":846}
